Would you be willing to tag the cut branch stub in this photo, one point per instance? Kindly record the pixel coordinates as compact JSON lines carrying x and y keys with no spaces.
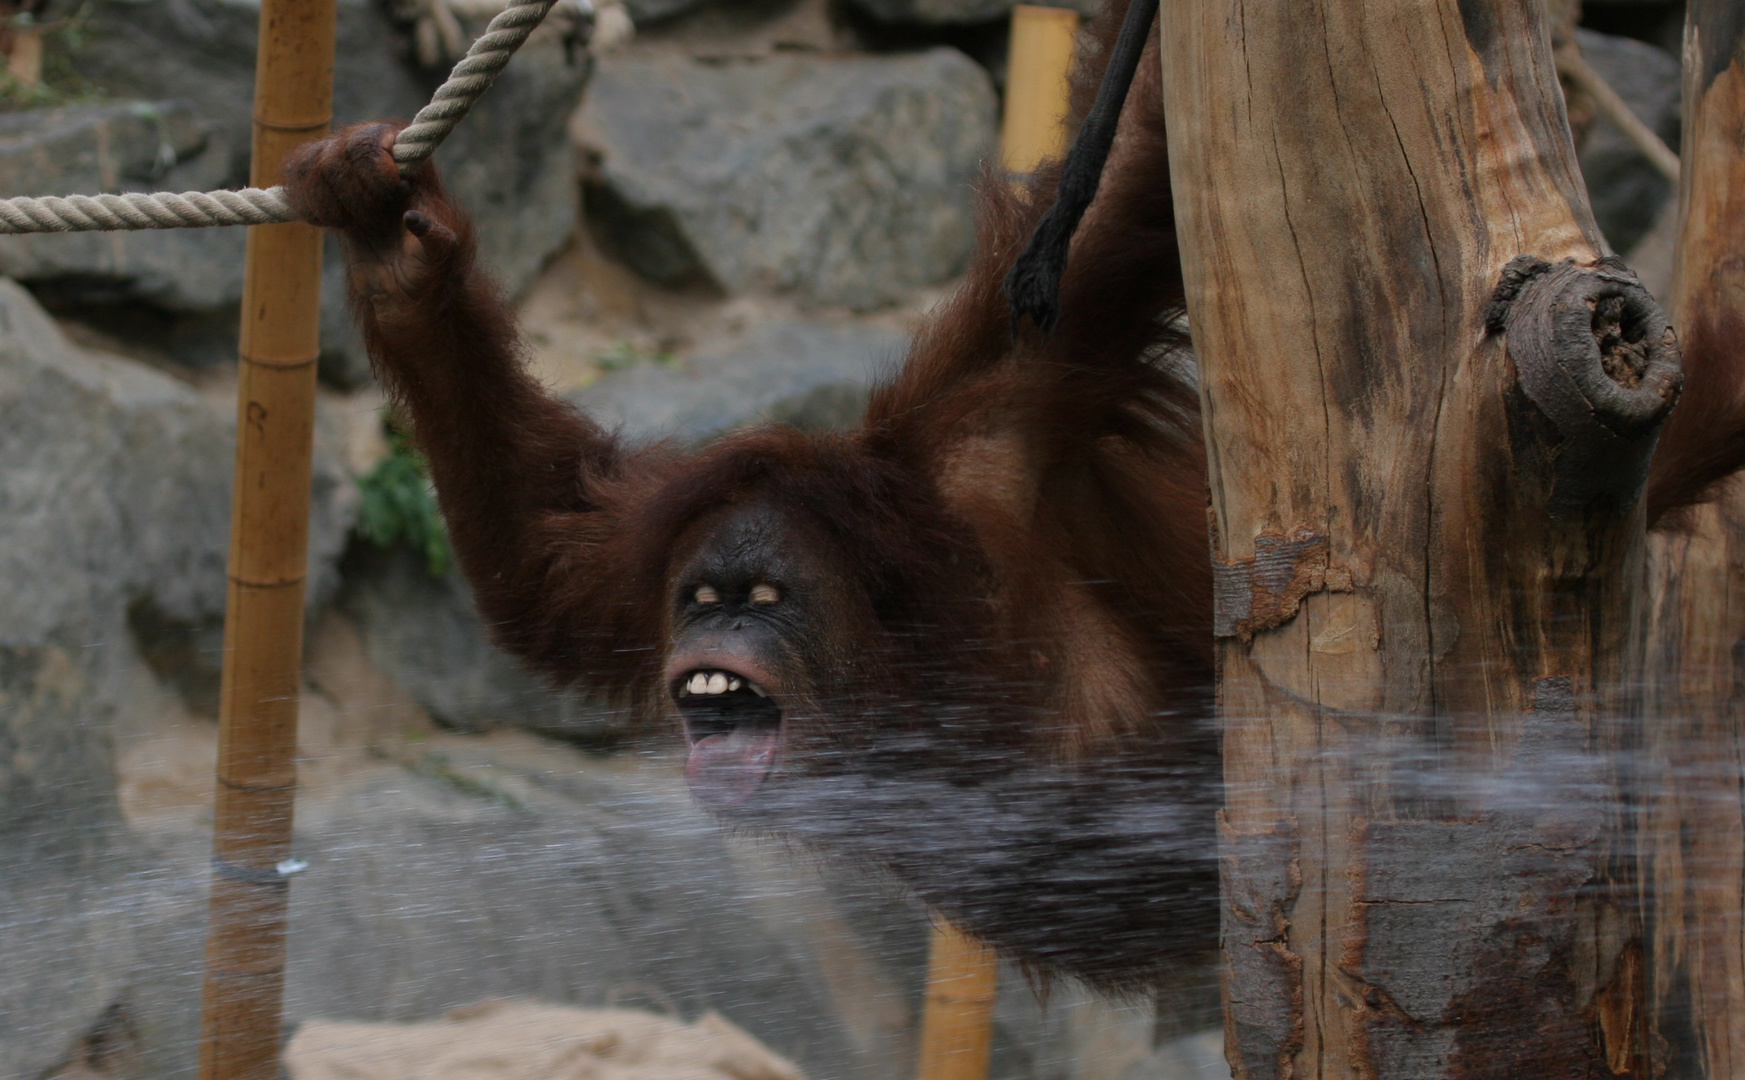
{"x":1596,"y":356}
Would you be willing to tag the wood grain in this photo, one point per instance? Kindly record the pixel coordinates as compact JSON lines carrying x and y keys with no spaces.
{"x":1415,"y":718}
{"x":1693,"y":819}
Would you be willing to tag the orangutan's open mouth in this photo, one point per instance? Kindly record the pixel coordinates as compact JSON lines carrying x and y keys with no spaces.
{"x":735,"y":730}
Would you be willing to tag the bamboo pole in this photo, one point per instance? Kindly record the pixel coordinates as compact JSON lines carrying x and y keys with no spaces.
{"x":957,"y":1033}
{"x":1037,"y":69}
{"x":256,"y":776}
{"x":957,"y":1029}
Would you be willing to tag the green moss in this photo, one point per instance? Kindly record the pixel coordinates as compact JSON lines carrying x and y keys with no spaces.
{"x":399,"y":506}
{"x":623,"y":354}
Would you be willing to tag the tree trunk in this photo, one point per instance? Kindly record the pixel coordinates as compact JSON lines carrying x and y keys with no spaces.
{"x":1428,"y":548}
{"x":1694,"y":810}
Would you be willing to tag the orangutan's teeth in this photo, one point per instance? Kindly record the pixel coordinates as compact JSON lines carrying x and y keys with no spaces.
{"x":717,"y":683}
{"x":732,"y":684}
{"x":699,"y":683}
{"x":756,"y":689}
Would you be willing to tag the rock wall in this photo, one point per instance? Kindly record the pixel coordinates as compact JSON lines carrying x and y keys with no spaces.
{"x":114,"y":500}
{"x":844,"y":179}
{"x":956,"y":12}
{"x":509,"y":162}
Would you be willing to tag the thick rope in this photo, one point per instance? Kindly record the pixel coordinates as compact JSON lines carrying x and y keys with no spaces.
{"x":469,"y":80}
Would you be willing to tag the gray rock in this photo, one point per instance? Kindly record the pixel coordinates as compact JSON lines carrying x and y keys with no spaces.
{"x":841,"y":179}
{"x":114,"y":495}
{"x":114,"y":498}
{"x":812,"y":375}
{"x":424,"y":633}
{"x":946,"y":12}
{"x":128,"y":146}
{"x":509,"y":161}
{"x":107,"y":497}
{"x":65,"y":918}
{"x":1195,"y":1057}
{"x":488,"y":872}
{"x":647,"y":11}
{"x":1655,"y":256}
{"x":1626,"y":191}
{"x":115,"y":482}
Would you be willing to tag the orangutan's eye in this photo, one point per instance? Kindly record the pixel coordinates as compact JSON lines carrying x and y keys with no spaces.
{"x":706,"y":594}
{"x":765,"y":594}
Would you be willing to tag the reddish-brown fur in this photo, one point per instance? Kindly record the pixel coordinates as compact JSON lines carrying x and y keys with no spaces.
{"x":992,"y":653}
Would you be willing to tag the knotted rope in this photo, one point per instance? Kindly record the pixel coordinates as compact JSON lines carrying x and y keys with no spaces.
{"x":469,"y":80}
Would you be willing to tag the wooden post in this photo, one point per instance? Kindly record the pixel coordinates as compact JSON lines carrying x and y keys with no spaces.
{"x":1038,"y":66}
{"x":957,"y":1031}
{"x":245,"y":945}
{"x":1693,"y":835}
{"x":1427,"y":537}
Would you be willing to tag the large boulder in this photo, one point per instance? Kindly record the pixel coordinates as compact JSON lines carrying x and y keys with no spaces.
{"x":838,"y":179}
{"x":114,"y":507}
{"x":469,"y":869}
{"x":812,"y":375}
{"x":509,"y":161}
{"x":423,"y":632}
{"x":648,"y":11}
{"x":950,"y":12}
{"x":66,"y":921}
{"x":1627,"y":191}
{"x":114,"y":497}
{"x":121,"y":146}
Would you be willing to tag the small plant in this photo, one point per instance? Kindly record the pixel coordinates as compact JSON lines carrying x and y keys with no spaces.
{"x":399,"y":506}
{"x":624,"y":353}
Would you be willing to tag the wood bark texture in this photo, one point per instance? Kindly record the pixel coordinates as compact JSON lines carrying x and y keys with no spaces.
{"x":1693,"y":828}
{"x":1430,"y":399}
{"x":269,"y":531}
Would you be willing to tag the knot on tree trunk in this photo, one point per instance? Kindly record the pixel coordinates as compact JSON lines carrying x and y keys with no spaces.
{"x":1595,"y":356}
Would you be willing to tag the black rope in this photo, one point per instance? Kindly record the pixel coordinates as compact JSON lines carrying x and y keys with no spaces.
{"x":1033,"y":286}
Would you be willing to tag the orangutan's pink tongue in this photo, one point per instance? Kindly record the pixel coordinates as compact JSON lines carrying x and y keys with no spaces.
{"x":725,"y":769}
